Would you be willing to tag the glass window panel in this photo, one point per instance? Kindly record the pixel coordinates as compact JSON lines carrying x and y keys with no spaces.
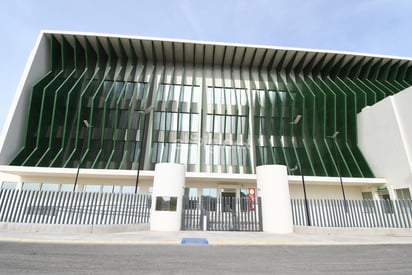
{"x":183,"y":149}
{"x":233,"y":124}
{"x":66,"y":187}
{"x":185,"y":122}
{"x":173,"y":152}
{"x":216,"y":154}
{"x":243,"y":154}
{"x":161,"y":94}
{"x":283,"y":96}
{"x":128,"y":189}
{"x":92,"y":188}
{"x":212,"y":192}
{"x":209,"y":123}
{"x":9,"y":185}
{"x":187,"y":93}
{"x":123,"y":119}
{"x":157,"y":120}
{"x":191,"y":192}
{"x":196,"y":94}
{"x":209,"y":95}
{"x":403,"y":194}
{"x":173,"y":123}
{"x":260,"y":97}
{"x":194,"y":124}
{"x":107,"y":188}
{"x":31,"y":186}
{"x":177,"y":92}
{"x":272,"y":97}
{"x":140,"y":90}
{"x":227,"y":124}
{"x":216,"y":95}
{"x":110,"y":118}
{"x":241,"y":96}
{"x":167,"y":93}
{"x":242,"y":126}
{"x":193,"y":154}
{"x":135,"y":119}
{"x":111,"y":189}
{"x":50,"y":187}
{"x":220,"y":96}
{"x":208,"y":152}
{"x":129,"y":91}
{"x":154,"y":152}
{"x":228,"y":155}
{"x":233,"y":96}
{"x":236,"y":155}
{"x":218,"y":124}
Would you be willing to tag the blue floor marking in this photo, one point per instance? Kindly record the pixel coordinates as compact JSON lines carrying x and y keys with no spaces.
{"x":194,"y":241}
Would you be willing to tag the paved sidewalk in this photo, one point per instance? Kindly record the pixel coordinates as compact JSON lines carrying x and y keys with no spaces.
{"x":211,"y":238}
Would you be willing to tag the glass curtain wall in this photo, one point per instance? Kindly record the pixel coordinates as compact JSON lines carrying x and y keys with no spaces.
{"x":176,"y":121}
{"x":227,"y":129}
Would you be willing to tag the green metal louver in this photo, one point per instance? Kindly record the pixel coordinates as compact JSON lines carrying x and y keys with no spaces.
{"x":239,"y":101}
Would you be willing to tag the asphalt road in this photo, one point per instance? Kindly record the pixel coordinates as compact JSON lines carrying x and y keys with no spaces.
{"x":44,"y":258}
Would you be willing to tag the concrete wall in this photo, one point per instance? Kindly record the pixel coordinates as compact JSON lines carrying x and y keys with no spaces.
{"x":169,"y":183}
{"x":273,"y":187}
{"x":385,"y":138}
{"x":325,"y":191}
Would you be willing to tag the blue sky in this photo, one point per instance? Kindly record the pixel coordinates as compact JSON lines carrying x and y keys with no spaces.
{"x":368,"y":26}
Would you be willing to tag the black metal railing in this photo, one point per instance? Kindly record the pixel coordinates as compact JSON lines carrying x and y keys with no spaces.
{"x":52,"y":207}
{"x":222,"y":214}
{"x":353,"y":213}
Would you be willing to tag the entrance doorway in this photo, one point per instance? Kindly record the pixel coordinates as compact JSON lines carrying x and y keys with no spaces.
{"x":228,"y":196}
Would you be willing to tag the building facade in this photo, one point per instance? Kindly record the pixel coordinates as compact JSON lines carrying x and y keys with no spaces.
{"x":99,"y":111}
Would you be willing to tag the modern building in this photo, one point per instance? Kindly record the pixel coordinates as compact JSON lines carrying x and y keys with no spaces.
{"x":96,"y":112}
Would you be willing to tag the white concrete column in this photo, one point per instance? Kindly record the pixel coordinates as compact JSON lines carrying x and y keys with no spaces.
{"x":168,"y":190}
{"x":273,"y":188}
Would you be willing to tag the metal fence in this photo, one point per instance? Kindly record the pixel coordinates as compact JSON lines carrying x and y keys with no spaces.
{"x":52,"y":207}
{"x":222,"y":214}
{"x":353,"y":213}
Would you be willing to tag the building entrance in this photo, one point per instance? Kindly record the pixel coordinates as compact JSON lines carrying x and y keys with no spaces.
{"x":228,"y":199}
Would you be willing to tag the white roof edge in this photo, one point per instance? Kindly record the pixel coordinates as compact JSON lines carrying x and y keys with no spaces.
{"x":224,"y":44}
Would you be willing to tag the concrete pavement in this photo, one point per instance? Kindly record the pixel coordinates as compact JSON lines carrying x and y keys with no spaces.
{"x":301,"y":236}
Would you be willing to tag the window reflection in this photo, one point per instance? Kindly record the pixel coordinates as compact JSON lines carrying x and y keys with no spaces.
{"x":184,"y":153}
{"x":11,"y":185}
{"x":31,"y":186}
{"x":228,"y":96}
{"x":91,"y":188}
{"x":67,"y":187}
{"x":226,"y":155}
{"x":226,"y":124}
{"x":111,"y":189}
{"x":128,"y":189}
{"x":50,"y":187}
{"x":179,"y":93}
{"x":169,"y":121}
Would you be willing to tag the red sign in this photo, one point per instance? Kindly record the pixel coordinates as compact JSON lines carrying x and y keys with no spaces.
{"x":251,"y":193}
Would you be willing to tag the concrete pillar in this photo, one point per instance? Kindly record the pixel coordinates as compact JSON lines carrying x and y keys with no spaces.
{"x":273,"y":188}
{"x":168,"y":191}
